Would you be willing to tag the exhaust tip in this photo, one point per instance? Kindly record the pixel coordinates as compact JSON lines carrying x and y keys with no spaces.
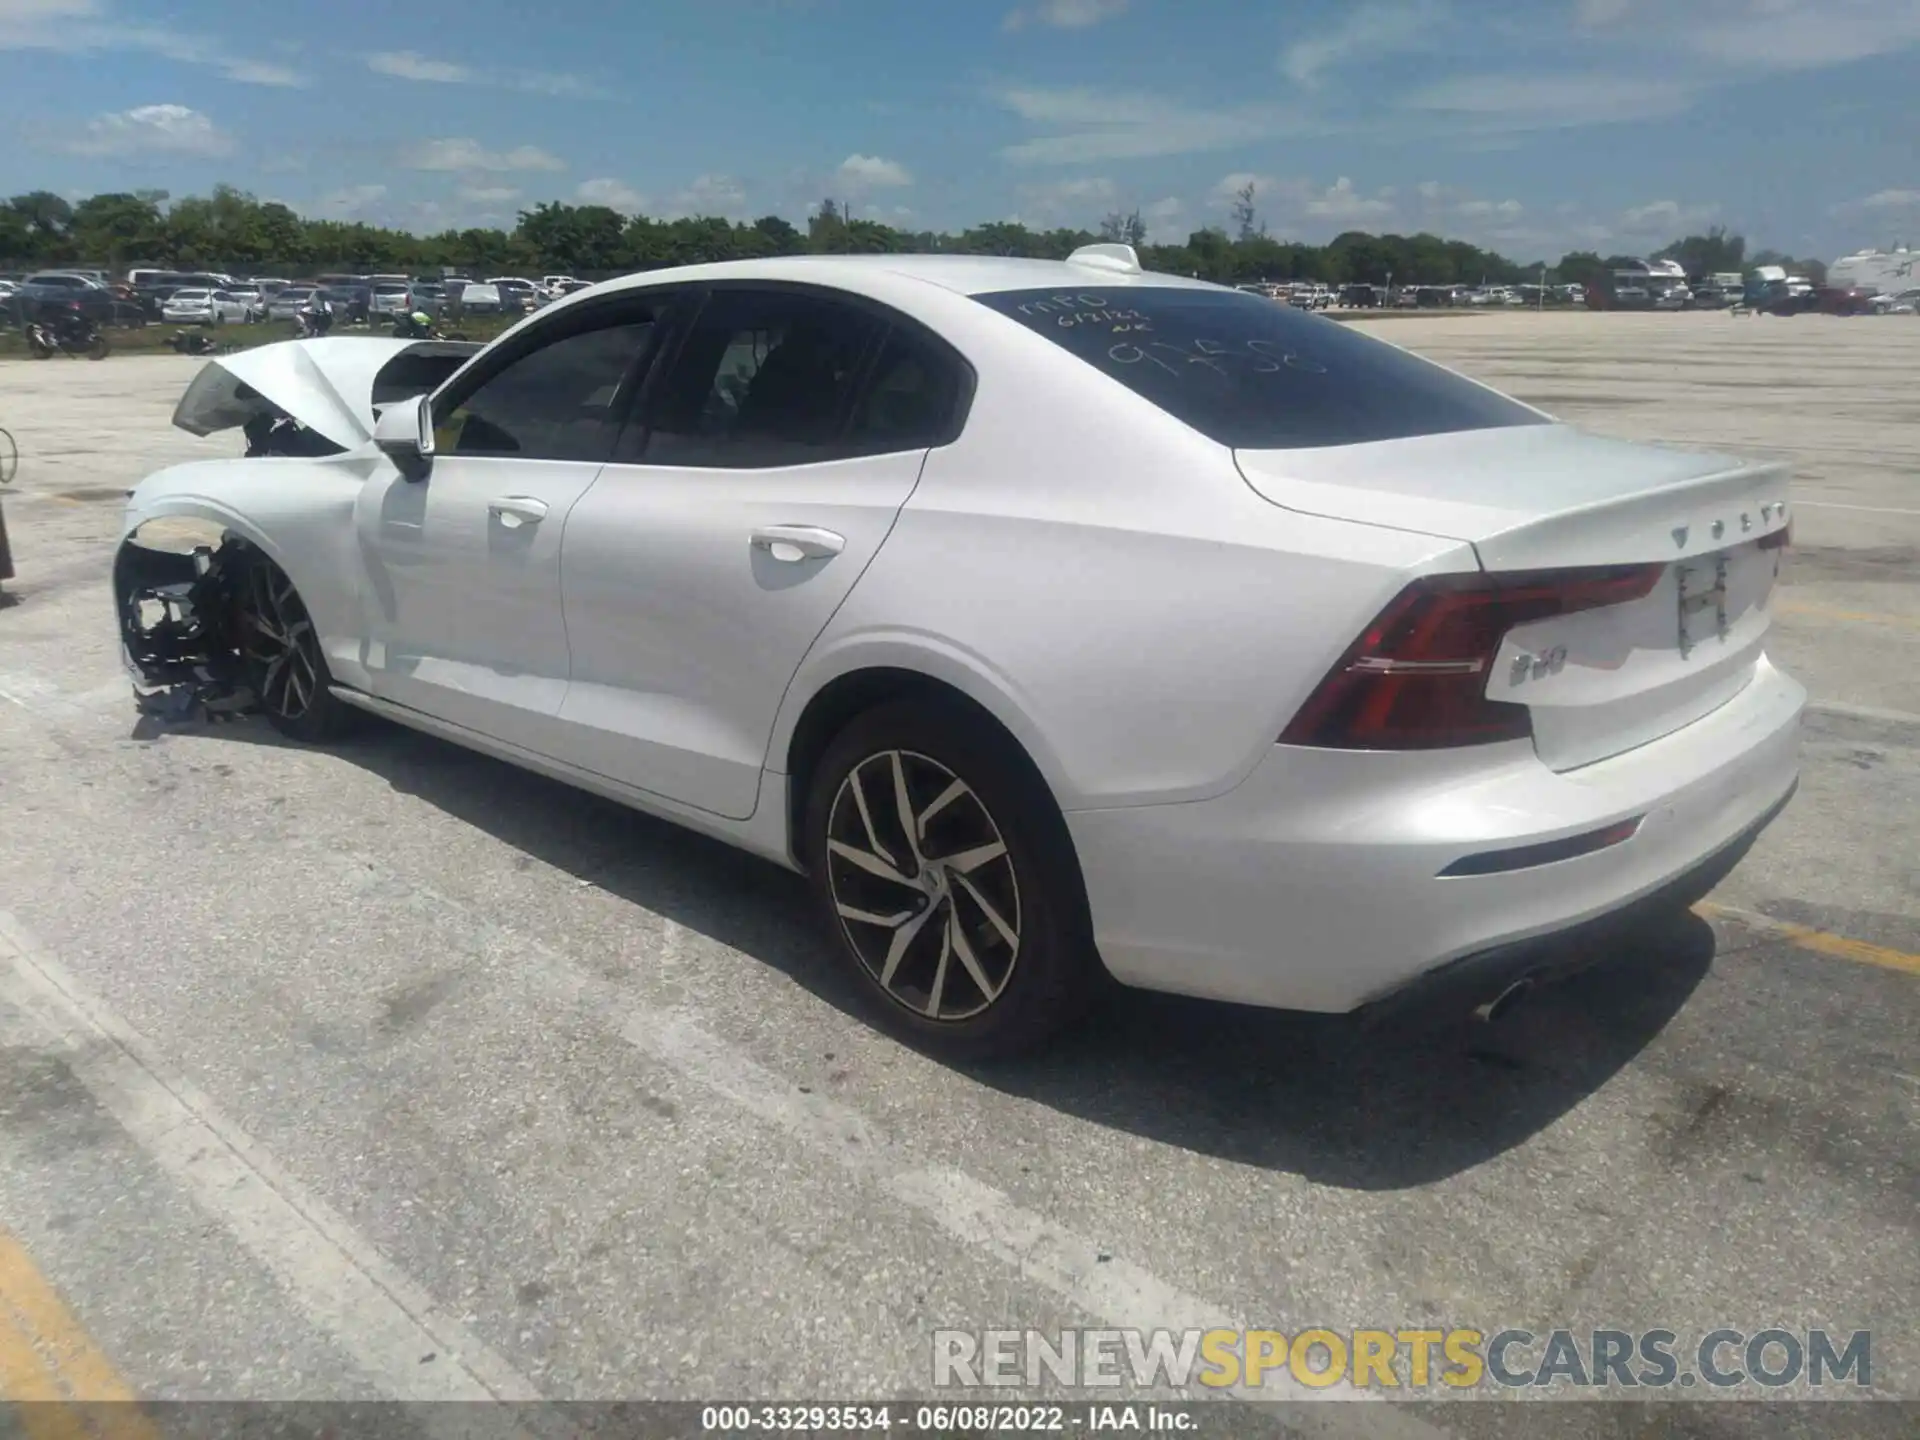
{"x":1503,"y":1003}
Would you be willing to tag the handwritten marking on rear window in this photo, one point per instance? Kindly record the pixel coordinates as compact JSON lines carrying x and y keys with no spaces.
{"x":1074,"y":312}
{"x":1262,"y":357}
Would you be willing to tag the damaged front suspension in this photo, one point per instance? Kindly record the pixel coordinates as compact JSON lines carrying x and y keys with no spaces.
{"x":180,"y":629}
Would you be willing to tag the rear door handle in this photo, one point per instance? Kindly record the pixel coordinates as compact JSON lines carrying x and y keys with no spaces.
{"x":516,"y":510}
{"x":794,"y":543}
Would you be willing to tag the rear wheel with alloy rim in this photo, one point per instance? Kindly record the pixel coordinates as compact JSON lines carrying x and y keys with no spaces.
{"x":948,"y":877}
{"x":280,"y":651}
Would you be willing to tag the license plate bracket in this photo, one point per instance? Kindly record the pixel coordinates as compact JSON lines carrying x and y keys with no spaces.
{"x":1702,"y":607}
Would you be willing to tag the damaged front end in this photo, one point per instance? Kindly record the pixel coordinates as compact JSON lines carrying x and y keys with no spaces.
{"x":182,"y":628}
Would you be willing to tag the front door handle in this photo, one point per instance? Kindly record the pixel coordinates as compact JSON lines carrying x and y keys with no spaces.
{"x":517,"y":510}
{"x":794,"y":543}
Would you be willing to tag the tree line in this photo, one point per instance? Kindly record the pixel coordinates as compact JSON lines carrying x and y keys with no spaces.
{"x":233,"y":231}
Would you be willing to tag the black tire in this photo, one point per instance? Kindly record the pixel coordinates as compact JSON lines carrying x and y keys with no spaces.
{"x":1043,"y":978}
{"x":99,"y":349}
{"x":281,"y":655}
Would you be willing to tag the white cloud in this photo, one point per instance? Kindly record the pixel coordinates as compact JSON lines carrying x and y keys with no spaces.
{"x":489,"y":194}
{"x":1767,"y":35}
{"x":538,"y":82}
{"x":87,"y":27}
{"x":1165,"y":217}
{"x":1667,"y":219}
{"x":1227,"y":191}
{"x":1080,"y":201}
{"x":719,"y":195}
{"x":871,"y":172}
{"x":1366,"y":30}
{"x":461,"y":154}
{"x":263,"y":72}
{"x":1489,"y":209}
{"x":409,"y":65}
{"x":1094,"y":125}
{"x":1065,"y":14}
{"x":151,"y":130}
{"x":615,"y":194}
{"x":1892,"y":200}
{"x":1546,"y":102}
{"x":1341,"y":203}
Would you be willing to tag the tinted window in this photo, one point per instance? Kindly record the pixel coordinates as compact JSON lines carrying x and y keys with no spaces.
{"x":550,"y":404}
{"x":912,"y":400}
{"x":764,"y":378}
{"x":1255,"y":375}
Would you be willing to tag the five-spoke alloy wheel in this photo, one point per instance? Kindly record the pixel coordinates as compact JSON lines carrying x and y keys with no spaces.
{"x":949,"y":879}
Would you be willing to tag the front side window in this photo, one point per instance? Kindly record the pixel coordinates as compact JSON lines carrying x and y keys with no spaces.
{"x":554,"y":402}
{"x":764,"y":378}
{"x":1251,"y":374}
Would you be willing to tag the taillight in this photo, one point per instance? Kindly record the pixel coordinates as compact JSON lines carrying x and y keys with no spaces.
{"x":1417,"y":678}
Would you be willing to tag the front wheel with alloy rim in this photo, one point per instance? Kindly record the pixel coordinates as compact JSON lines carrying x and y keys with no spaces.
{"x":948,"y":877}
{"x":280,"y":653}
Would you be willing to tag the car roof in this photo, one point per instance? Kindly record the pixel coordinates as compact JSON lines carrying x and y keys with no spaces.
{"x":961,"y":274}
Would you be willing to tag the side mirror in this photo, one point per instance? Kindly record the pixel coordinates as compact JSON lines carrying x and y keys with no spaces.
{"x":404,"y":433}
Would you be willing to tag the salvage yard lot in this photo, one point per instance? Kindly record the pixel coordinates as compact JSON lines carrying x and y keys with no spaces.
{"x":414,"y":1055}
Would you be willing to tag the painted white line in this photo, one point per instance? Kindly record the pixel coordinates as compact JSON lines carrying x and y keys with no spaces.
{"x":1864,"y":712}
{"x":378,"y":1317}
{"x":1105,"y":1286}
{"x":1863,"y":509}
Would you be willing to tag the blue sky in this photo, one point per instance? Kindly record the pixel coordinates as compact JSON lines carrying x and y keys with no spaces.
{"x":1533,"y":126}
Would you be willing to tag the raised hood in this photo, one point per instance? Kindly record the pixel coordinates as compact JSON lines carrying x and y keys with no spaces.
{"x":330,"y":385}
{"x":1533,"y":496}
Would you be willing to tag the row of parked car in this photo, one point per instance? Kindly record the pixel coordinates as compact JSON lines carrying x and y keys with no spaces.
{"x":150,"y":295}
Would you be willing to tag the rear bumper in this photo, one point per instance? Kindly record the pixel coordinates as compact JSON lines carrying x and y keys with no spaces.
{"x":1317,"y":885}
{"x":1458,"y":987}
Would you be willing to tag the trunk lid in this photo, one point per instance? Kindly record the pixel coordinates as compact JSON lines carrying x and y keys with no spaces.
{"x":1548,"y":497}
{"x":331,"y":385}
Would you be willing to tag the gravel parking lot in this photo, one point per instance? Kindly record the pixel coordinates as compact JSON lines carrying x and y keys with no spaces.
{"x":394,"y":1072}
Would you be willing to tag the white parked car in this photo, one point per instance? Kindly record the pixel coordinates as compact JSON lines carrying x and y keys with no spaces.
{"x":253,"y":298}
{"x":1049,"y":615}
{"x":390,"y":297}
{"x":205,"y":307}
{"x":480,"y":299}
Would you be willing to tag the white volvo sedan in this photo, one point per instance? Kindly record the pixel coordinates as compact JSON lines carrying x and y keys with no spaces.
{"x":1057,"y":618}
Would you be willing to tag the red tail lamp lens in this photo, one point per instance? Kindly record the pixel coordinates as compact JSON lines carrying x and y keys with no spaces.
{"x":1416,"y":679}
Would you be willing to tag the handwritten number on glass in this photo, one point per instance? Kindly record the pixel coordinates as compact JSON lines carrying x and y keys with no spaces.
{"x":1266,"y":357}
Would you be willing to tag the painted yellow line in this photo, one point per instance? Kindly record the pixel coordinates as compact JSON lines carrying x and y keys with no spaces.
{"x":1861,"y":952}
{"x":26,"y":1381}
{"x":53,"y":1366}
{"x":80,"y":1364}
{"x":1858,"y":617}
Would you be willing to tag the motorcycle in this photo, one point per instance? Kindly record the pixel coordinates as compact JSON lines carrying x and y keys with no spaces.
{"x":313,"y":324}
{"x":191,"y":342}
{"x":44,"y":341}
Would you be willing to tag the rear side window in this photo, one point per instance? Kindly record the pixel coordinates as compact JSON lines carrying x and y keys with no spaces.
{"x":1255,"y":374}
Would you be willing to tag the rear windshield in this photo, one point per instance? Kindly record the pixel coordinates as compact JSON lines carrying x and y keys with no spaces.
{"x":1253,"y":373}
